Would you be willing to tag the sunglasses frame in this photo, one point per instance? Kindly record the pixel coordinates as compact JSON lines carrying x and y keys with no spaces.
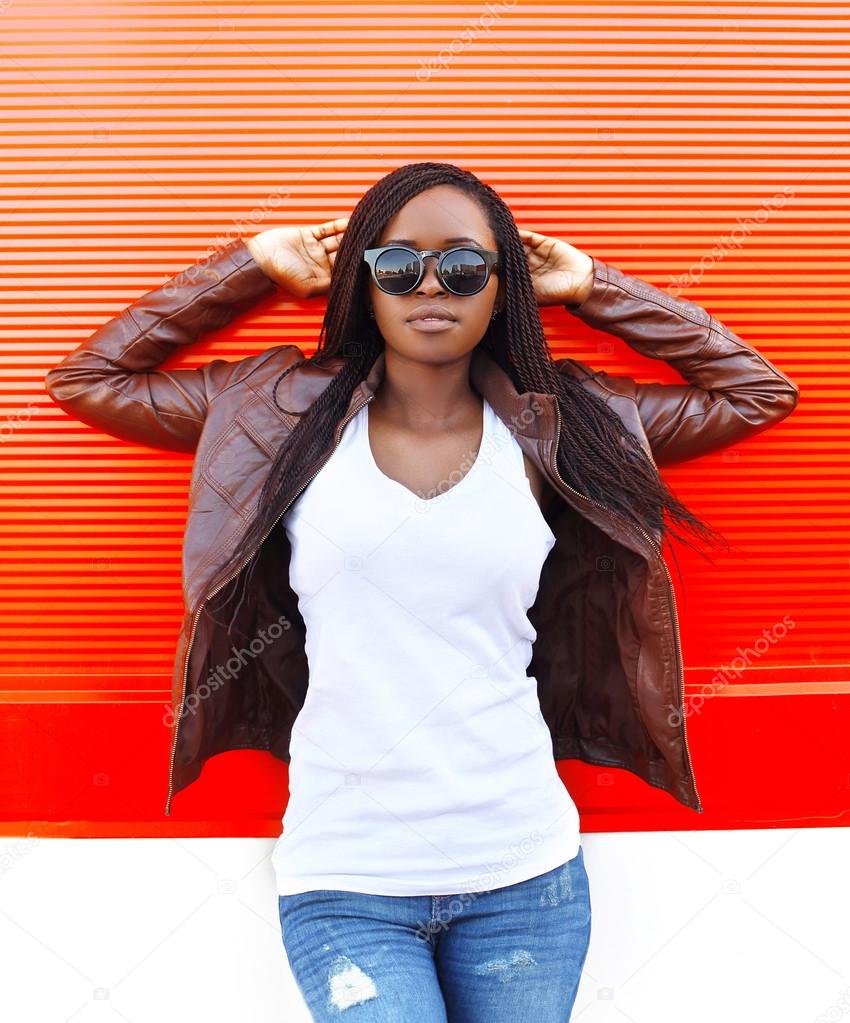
{"x":491,"y":259}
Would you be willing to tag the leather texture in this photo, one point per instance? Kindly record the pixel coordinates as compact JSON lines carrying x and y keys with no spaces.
{"x":607,"y":657}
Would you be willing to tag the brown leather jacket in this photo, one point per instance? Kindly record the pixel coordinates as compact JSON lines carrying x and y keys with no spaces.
{"x":607,"y":657}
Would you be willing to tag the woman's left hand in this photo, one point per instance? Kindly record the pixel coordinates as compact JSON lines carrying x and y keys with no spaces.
{"x":560,"y":272}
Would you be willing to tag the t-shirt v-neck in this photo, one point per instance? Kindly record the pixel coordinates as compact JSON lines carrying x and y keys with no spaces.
{"x":452,"y":484}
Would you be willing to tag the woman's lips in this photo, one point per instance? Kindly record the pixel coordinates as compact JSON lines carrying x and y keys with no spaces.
{"x":431,"y":325}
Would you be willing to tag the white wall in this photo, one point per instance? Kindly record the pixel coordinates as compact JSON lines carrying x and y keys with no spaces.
{"x":705,"y":927}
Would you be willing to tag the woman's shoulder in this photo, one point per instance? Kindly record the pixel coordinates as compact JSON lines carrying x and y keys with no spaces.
{"x":597,"y":380}
{"x":292,"y":379}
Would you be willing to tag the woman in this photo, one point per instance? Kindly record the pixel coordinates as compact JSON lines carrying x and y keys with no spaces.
{"x":461,"y":540}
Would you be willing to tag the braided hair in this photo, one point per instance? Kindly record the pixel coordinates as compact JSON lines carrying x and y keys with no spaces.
{"x":597,"y":455}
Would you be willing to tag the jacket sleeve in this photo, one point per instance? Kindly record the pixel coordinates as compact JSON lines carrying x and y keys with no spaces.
{"x":732,"y":392}
{"x":110,"y":382}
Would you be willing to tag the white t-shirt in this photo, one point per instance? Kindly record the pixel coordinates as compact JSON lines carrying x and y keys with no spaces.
{"x":420,"y":761}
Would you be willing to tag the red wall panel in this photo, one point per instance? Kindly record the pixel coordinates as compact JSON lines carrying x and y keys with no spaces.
{"x":703,"y":148}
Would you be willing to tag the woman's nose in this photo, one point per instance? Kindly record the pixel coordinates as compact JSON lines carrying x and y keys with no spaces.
{"x":430,"y":280}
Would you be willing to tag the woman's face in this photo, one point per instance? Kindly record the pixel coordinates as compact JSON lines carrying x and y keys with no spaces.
{"x":437,"y":218}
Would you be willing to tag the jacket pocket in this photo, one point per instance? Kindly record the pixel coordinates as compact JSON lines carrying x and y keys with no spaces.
{"x":240,"y":458}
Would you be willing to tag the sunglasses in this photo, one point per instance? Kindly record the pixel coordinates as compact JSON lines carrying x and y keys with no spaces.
{"x":397,"y":270}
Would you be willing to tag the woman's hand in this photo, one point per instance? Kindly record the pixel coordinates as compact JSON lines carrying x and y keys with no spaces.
{"x":299,"y":259}
{"x":560,"y":272}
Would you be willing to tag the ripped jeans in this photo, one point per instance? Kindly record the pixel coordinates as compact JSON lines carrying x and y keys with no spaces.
{"x":512,"y":953}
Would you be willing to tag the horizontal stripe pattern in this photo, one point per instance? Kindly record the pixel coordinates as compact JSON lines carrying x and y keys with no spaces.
{"x":701,"y":148}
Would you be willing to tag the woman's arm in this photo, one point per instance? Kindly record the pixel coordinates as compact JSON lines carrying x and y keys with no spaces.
{"x":109,"y":381}
{"x":732,"y":391}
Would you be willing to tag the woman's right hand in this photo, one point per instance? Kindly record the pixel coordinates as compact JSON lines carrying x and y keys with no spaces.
{"x":299,"y":259}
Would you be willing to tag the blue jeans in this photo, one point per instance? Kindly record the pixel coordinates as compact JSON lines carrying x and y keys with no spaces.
{"x":512,"y":953}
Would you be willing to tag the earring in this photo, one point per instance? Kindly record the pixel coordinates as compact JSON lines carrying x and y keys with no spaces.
{"x":372,"y":313}
{"x":494,"y":314}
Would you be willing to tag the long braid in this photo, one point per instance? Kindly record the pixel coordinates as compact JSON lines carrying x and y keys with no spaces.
{"x":597,"y":455}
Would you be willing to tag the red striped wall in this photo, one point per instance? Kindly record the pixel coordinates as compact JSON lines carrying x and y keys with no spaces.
{"x":135,"y":136}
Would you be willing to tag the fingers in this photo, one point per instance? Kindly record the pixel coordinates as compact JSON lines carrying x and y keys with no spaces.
{"x":531,"y":237}
{"x":330,"y":228}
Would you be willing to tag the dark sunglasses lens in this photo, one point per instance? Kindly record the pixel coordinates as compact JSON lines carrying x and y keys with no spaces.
{"x":464,"y":271}
{"x":396,"y":271}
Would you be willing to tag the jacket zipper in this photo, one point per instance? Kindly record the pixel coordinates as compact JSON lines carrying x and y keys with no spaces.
{"x":337,"y":436}
{"x":651,"y":539}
